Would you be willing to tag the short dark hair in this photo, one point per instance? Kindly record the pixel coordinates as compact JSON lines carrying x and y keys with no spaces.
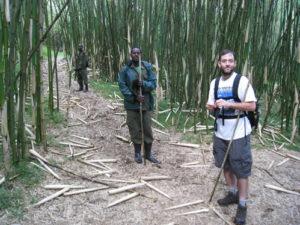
{"x":137,"y":48}
{"x":225,"y":52}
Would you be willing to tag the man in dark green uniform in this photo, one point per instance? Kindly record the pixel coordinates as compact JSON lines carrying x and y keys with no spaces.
{"x":80,"y":71}
{"x":129,"y":86}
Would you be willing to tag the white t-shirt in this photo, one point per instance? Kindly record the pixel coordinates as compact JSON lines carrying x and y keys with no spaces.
{"x":225,"y":87}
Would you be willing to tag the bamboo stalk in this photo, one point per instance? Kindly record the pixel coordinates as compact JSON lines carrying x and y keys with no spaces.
{"x":156,"y":178}
{"x":2,"y":180}
{"x":158,"y":123}
{"x":281,"y":189}
{"x":130,"y":196}
{"x":219,"y":215}
{"x":271,"y":164}
{"x":83,"y":138}
{"x":122,"y":138}
{"x":51,"y":197}
{"x":49,"y":169}
{"x":91,"y":164}
{"x":282,"y":162}
{"x":103,"y":172}
{"x":103,"y":160}
{"x":156,"y":189}
{"x":185,"y":204}
{"x":125,"y":188}
{"x":62,"y":186}
{"x":37,"y":155}
{"x":185,"y":145}
{"x":162,"y":132}
{"x":193,"y":212}
{"x":38,"y":166}
{"x":84,"y":191}
{"x":83,"y":144}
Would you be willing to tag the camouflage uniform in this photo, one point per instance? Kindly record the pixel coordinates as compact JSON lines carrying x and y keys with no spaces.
{"x":80,"y":71}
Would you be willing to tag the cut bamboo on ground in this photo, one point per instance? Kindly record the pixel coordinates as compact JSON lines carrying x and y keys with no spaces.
{"x":61,"y":186}
{"x":185,"y":204}
{"x":156,"y":189}
{"x":125,"y":188}
{"x":130,"y":196}
{"x":281,"y":189}
{"x":84,"y":191}
{"x":193,"y":212}
{"x":51,"y":197}
{"x":122,"y":138}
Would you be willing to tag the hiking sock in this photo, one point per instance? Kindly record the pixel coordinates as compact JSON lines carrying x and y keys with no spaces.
{"x":242,"y":203}
{"x":233,"y":190}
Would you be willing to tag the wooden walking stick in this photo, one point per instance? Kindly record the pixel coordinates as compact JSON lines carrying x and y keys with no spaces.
{"x":229,"y":146}
{"x":141,"y":110}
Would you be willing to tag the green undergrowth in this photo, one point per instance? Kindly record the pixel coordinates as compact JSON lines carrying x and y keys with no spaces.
{"x":16,"y":190}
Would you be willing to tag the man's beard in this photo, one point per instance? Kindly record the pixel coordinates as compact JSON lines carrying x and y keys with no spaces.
{"x":226,"y":73}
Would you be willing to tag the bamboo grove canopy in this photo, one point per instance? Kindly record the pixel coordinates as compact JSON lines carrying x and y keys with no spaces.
{"x":183,"y":36}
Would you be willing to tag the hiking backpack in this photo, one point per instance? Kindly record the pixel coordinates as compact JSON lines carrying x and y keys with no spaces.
{"x":253,"y":116}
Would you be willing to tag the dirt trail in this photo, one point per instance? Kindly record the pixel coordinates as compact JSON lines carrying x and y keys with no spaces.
{"x":265,"y":206}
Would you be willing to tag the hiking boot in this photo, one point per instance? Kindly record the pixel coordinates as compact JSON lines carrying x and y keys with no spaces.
{"x":241,"y":213}
{"x":230,"y":198}
{"x":86,"y":88}
{"x":137,"y":153}
{"x":148,"y":147}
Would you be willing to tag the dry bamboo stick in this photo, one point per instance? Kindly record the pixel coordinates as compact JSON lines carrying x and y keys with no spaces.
{"x":49,"y":169}
{"x":185,"y":144}
{"x":281,"y":146}
{"x":164,"y":111}
{"x":80,"y":143}
{"x":185,"y":204}
{"x":84,"y":191}
{"x":168,"y":116}
{"x":194,"y":166}
{"x":110,"y":107}
{"x":91,"y":164}
{"x":92,"y":122}
{"x":71,"y":151}
{"x":158,"y":123}
{"x":81,"y":120}
{"x":162,"y":132}
{"x":103,"y":160}
{"x":74,"y":144}
{"x":61,"y":186}
{"x":37,"y":155}
{"x":219,"y":215}
{"x":125,"y":188}
{"x":123,"y":124}
{"x":281,"y":189}
{"x":283,"y":161}
{"x":121,"y":114}
{"x":78,"y":105}
{"x":156,"y":189}
{"x":123,"y":199}
{"x":193,"y":212}
{"x":156,"y":178}
{"x":82,"y":138}
{"x":292,"y":156}
{"x":120,"y":181}
{"x":58,"y":153}
{"x":191,"y":163}
{"x":122,"y":138}
{"x":271,"y":164}
{"x":2,"y":180}
{"x":103,"y":172}
{"x":51,"y":197}
{"x":75,"y":124}
{"x":261,"y":141}
{"x":38,"y":166}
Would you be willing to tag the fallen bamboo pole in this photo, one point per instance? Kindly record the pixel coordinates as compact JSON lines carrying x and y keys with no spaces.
{"x":49,"y":169}
{"x":125,"y":188}
{"x":84,"y":191}
{"x":162,"y":132}
{"x":37,"y":155}
{"x":194,"y":166}
{"x":91,"y":164}
{"x":185,"y":204}
{"x":156,"y":178}
{"x":281,"y":189}
{"x":2,"y":180}
{"x":73,"y":144}
{"x":156,"y":189}
{"x":38,"y":166}
{"x":61,"y":186}
{"x":158,"y":123}
{"x":283,"y":161}
{"x":80,"y":143}
{"x":219,"y":215}
{"x":292,"y":156}
{"x":103,"y":160}
{"x":193,"y":212}
{"x":130,"y":196}
{"x":122,"y":138}
{"x":121,"y":181}
{"x":103,"y":172}
{"x":185,"y":145}
{"x":51,"y":197}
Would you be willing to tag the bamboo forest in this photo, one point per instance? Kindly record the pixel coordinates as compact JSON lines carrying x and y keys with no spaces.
{"x":83,"y":156}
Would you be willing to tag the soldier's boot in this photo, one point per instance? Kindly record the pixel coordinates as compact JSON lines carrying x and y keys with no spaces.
{"x":241,"y":213}
{"x":137,"y":153}
{"x":148,"y":147}
{"x":86,"y":88}
{"x":80,"y":87}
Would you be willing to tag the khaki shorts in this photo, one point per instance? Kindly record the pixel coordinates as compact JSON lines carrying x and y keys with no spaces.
{"x":239,"y":159}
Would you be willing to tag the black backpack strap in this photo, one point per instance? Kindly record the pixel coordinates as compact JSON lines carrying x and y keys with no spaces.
{"x":235,"y":88}
{"x":216,"y":87}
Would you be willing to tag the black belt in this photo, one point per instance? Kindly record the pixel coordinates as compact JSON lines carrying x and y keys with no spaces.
{"x":230,"y":117}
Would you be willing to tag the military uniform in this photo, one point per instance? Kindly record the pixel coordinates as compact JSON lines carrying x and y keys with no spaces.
{"x":80,"y":71}
{"x":128,"y":79}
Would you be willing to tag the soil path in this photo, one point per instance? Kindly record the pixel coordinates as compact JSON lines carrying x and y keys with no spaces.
{"x":99,"y":124}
